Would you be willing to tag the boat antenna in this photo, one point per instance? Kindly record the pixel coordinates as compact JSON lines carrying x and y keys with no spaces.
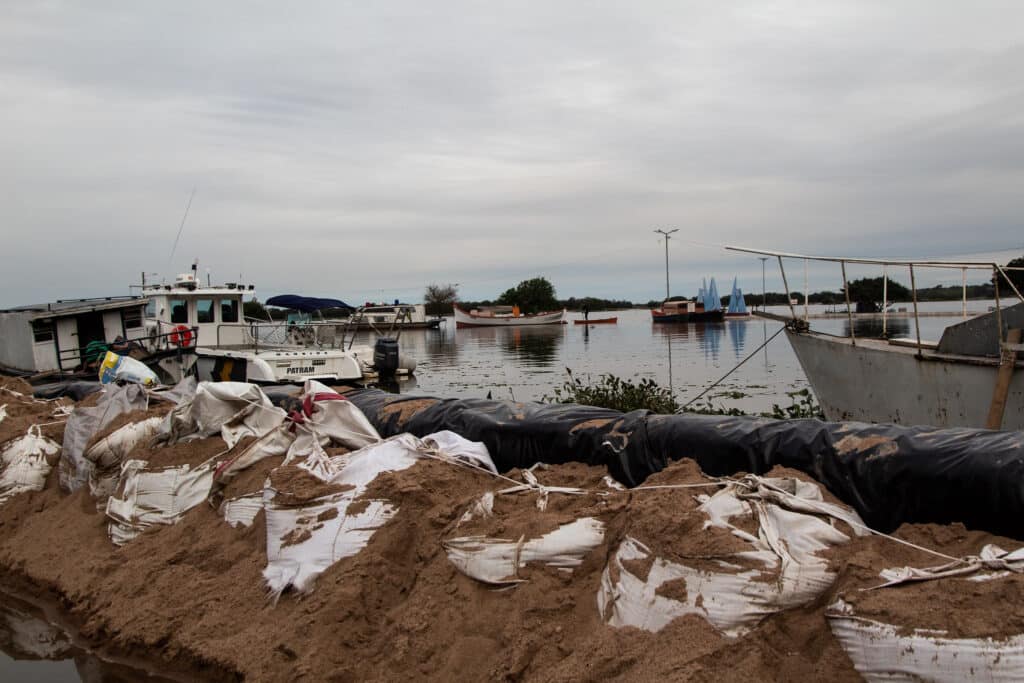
{"x":170,"y":261}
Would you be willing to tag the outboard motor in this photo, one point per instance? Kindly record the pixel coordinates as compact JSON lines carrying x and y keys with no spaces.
{"x":385,"y":356}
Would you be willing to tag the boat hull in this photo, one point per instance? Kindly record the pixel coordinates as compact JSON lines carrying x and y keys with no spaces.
{"x":695,"y":317}
{"x":466,"y":319}
{"x":597,"y":321}
{"x":874,"y":381}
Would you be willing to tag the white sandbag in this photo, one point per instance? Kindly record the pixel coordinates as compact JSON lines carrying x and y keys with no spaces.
{"x":84,"y":422}
{"x":24,"y":462}
{"x":332,"y":418}
{"x":326,"y":417}
{"x":232,"y":409}
{"x":3,"y":413}
{"x":457,"y":447}
{"x":304,"y":540}
{"x":498,"y":561}
{"x":159,"y":496}
{"x":880,"y":653}
{"x":114,"y":448}
{"x":242,"y":510}
{"x":789,"y":570}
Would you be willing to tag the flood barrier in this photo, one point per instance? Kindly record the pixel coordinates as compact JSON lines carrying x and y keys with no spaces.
{"x":890,"y":474}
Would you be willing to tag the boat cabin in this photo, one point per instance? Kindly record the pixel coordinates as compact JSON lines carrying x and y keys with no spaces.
{"x":674,"y":307}
{"x":207,"y":315}
{"x":57,"y":336}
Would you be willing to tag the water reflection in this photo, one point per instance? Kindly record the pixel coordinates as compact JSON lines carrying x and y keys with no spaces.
{"x":536,"y":346}
{"x":37,"y":649}
{"x":706,"y":336}
{"x":738,"y":336}
{"x":872,"y":327}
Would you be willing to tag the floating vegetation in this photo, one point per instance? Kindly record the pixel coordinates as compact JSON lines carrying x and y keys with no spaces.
{"x":609,"y":391}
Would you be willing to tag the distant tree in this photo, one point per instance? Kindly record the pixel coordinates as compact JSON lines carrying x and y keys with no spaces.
{"x":1016,"y":277}
{"x":867,"y":293}
{"x":532,"y":296}
{"x":254,"y":309}
{"x":439,"y":298}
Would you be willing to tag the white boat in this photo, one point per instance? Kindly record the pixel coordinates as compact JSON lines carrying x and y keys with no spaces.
{"x":504,"y":316}
{"x":384,"y":317}
{"x":971,"y":377}
{"x":206,"y":324}
{"x":64,"y":336}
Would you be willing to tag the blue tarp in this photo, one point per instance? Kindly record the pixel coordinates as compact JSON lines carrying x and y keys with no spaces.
{"x":306,"y":304}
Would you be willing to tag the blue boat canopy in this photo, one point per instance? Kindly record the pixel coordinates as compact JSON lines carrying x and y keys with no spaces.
{"x":306,"y":304}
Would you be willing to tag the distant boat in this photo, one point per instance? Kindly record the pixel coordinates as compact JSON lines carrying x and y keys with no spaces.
{"x":685,"y":312}
{"x":504,"y":316}
{"x":707,"y":308}
{"x":737,"y":306}
{"x":597,"y":321}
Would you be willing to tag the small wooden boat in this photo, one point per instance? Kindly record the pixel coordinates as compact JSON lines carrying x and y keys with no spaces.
{"x":504,"y":316}
{"x":597,"y":321}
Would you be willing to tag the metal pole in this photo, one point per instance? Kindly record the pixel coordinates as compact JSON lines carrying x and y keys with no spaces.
{"x":885,"y":296}
{"x":963,"y":277}
{"x":917,"y":320}
{"x":785,"y":283}
{"x":763,"y":301}
{"x":667,"y":237}
{"x":849,"y":313}
{"x":806,"y":294}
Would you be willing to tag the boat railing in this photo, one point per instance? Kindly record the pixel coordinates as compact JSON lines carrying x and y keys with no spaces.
{"x":75,"y":356}
{"x":999,"y":274}
{"x":332,"y":335}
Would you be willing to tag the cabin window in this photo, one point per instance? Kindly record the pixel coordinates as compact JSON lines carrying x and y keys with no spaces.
{"x":151,"y":308}
{"x":204,"y":310}
{"x":132,"y":318}
{"x":179,"y":311}
{"x":42,"y":330}
{"x":229,"y":310}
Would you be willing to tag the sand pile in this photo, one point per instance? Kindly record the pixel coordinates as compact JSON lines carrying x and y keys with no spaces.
{"x":192,"y":596}
{"x":20,"y":411}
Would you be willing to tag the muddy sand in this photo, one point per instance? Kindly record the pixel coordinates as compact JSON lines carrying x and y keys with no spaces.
{"x":190,"y":597}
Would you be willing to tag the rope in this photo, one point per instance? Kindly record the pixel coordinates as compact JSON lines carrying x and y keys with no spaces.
{"x":734,"y":369}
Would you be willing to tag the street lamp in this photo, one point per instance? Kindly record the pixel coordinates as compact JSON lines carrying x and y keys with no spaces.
{"x":667,"y":237}
{"x":763,"y":302}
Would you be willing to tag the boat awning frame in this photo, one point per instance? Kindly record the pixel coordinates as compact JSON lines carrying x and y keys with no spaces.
{"x":306,"y":304}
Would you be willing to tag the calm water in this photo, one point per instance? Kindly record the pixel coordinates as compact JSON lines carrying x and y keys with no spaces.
{"x":527,"y":363}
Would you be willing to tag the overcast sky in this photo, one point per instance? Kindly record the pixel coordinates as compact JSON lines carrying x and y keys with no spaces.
{"x":363,"y":150}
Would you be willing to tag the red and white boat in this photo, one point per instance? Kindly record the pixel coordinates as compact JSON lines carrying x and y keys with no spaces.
{"x":504,"y":316}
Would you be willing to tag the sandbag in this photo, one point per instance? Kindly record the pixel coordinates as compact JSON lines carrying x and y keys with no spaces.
{"x":23,"y":463}
{"x":154,"y":496}
{"x":85,"y":422}
{"x":889,"y":474}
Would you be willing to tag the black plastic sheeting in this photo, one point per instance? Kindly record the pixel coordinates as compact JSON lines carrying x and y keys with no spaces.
{"x":73,"y":389}
{"x":890,"y":474}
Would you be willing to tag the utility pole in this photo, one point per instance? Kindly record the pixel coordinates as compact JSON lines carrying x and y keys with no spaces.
{"x":763,"y":295}
{"x":666,"y":234}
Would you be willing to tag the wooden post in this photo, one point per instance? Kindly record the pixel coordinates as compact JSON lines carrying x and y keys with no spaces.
{"x":1007,"y":361}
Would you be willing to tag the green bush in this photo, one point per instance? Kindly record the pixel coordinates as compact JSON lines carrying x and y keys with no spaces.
{"x":613,"y":392}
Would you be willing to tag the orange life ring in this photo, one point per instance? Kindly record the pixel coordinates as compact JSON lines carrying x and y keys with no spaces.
{"x":181,"y":336}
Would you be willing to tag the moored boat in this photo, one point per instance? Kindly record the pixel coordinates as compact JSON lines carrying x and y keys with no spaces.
{"x":504,"y":316}
{"x":597,"y":321}
{"x":971,"y":377}
{"x":685,"y":312}
{"x":737,"y":305}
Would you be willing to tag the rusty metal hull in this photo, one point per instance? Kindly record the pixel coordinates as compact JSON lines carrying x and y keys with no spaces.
{"x":874,"y":381}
